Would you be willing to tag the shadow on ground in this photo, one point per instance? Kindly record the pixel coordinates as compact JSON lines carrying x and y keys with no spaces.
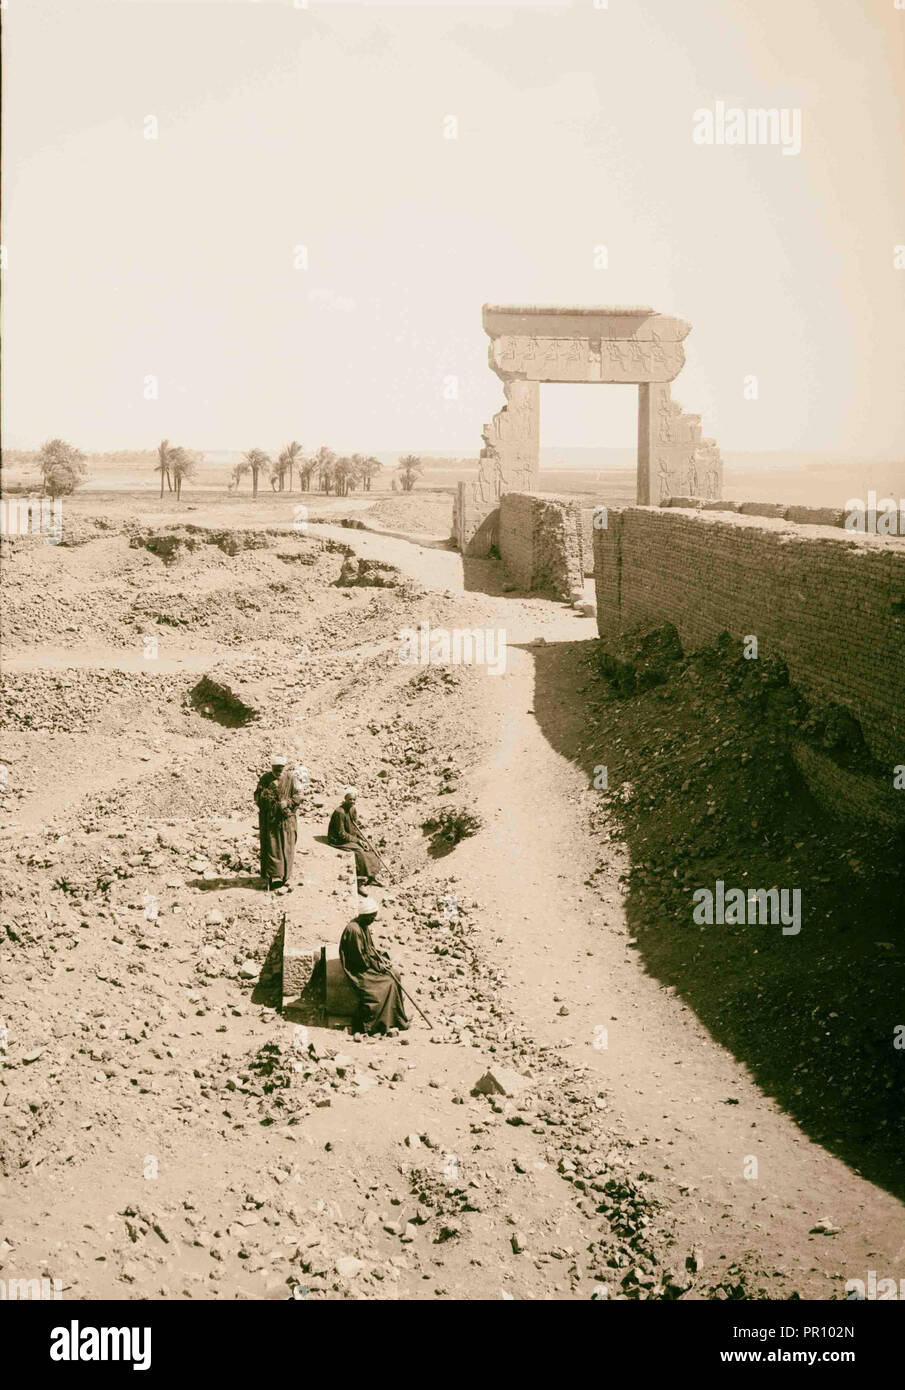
{"x":267,"y":990}
{"x":214,"y":885}
{"x":702,"y":787}
{"x":484,"y":576}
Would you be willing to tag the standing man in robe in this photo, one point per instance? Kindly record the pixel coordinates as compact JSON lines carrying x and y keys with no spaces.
{"x":277,"y":798}
{"x":370,"y":973}
{"x":344,"y":832}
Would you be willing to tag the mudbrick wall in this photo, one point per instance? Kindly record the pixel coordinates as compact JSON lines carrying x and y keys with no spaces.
{"x":829,"y":602}
{"x":780,"y":511}
{"x":541,"y":542}
{"x":893,"y":518}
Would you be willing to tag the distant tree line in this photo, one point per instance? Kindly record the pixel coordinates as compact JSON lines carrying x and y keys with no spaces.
{"x":62,"y":468}
{"x":333,"y":473}
{"x":338,"y":474}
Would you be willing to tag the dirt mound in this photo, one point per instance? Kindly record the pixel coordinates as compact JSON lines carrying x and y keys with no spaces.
{"x":175,"y":542}
{"x":77,"y":701}
{"x":702,"y":778}
{"x":641,"y":658}
{"x":373,"y":574}
{"x":415,"y":513}
{"x":238,"y":588}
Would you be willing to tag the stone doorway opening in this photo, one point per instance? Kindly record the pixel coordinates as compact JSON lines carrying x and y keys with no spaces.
{"x":589,"y":439}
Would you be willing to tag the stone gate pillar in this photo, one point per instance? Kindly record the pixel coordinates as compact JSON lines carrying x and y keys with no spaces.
{"x":512,"y":439}
{"x":673,"y":459}
{"x":648,"y":407}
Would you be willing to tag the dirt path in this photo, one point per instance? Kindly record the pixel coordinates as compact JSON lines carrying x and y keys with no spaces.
{"x":684,"y":1098}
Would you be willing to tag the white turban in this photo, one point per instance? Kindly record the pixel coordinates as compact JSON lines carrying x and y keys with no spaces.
{"x":367,"y":907}
{"x":349,"y":791}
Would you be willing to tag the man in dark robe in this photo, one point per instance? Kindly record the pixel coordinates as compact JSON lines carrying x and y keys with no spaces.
{"x":344,"y":832}
{"x":276,"y":797}
{"x":381,"y":1005}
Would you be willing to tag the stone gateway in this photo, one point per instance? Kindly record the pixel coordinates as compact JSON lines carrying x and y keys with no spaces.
{"x":530,"y":344}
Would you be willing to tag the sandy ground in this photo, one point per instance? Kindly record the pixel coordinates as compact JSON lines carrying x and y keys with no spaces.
{"x":169,"y":1135}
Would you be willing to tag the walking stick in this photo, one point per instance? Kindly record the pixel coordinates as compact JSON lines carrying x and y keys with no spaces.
{"x":411,"y":1000}
{"x":367,"y":844}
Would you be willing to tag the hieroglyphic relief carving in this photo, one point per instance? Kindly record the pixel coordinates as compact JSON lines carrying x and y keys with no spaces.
{"x":511,"y":442}
{"x":663,"y":484}
{"x":710,"y":469}
{"x":572,"y":359}
{"x":686,"y":464}
{"x":665,"y":410}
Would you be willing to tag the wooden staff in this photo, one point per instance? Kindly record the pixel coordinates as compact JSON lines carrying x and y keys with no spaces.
{"x":410,"y":999}
{"x":367,"y":844}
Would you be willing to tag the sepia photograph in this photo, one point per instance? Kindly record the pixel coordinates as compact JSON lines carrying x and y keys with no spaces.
{"x":452,"y":687}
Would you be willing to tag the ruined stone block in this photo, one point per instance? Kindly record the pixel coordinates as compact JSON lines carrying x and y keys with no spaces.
{"x":774,"y":509}
{"x":500,"y":1081}
{"x":816,"y":516}
{"x":541,"y":540}
{"x":342,"y":1000}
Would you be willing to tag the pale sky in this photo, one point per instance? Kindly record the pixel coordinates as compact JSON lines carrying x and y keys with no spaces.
{"x":281,"y":127}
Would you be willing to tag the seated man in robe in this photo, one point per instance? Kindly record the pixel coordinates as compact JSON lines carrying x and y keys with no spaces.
{"x":370,"y":973}
{"x":344,"y":832}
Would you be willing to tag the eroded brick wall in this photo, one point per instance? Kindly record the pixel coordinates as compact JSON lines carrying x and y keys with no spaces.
{"x":887,"y":520}
{"x":541,"y":543}
{"x":830,"y":603}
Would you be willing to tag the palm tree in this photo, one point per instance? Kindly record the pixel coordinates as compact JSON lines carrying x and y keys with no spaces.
{"x":292,"y":454}
{"x":306,"y":468}
{"x":368,"y":467}
{"x":184,"y":465}
{"x":410,"y":469}
{"x":163,"y":464}
{"x":252,"y":461}
{"x":364,"y":468}
{"x":343,"y":469}
{"x":324,"y":463}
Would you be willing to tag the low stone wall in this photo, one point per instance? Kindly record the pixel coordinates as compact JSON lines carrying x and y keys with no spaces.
{"x":587,"y":541}
{"x":475,"y":520}
{"x":778,"y":511}
{"x":829,"y":602}
{"x":541,"y":542}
